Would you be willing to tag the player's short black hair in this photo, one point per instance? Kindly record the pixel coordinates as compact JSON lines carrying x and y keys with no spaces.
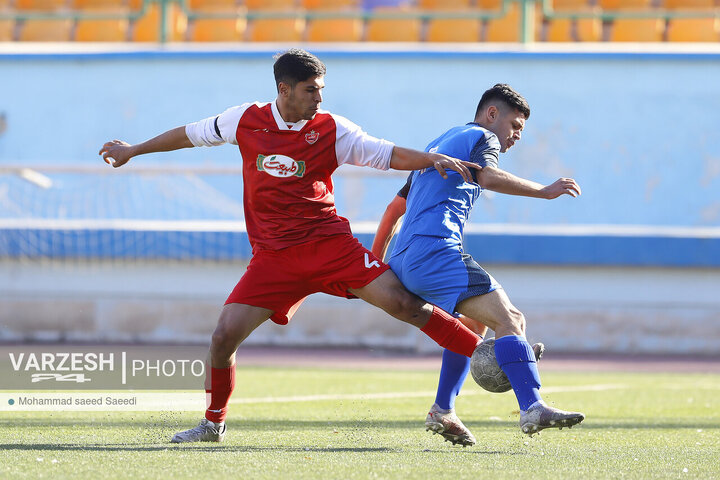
{"x":296,"y":65}
{"x":504,"y":93}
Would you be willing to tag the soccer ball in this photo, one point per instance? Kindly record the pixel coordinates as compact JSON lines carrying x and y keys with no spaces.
{"x":485,"y":369}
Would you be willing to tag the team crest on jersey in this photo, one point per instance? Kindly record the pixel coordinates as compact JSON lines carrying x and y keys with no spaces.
{"x":312,"y":137}
{"x":280,"y":166}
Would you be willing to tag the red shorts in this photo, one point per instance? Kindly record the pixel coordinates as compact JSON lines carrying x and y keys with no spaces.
{"x":279,"y":280}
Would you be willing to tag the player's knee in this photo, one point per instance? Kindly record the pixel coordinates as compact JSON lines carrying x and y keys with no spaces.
{"x":225,"y":337}
{"x":514,"y":320}
{"x":518,"y":319}
{"x":405,"y":306}
{"x":221,"y":341}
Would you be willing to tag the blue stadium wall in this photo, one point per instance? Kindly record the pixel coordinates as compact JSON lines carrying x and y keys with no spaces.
{"x":639,"y":131}
{"x":630,"y":266}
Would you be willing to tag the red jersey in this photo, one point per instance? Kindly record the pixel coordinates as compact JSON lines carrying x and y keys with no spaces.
{"x":287,"y":168}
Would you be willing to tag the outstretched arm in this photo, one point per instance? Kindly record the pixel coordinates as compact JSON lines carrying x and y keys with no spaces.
{"x":117,"y":153}
{"x":388,"y":226}
{"x":500,"y":181}
{"x":407,"y":159}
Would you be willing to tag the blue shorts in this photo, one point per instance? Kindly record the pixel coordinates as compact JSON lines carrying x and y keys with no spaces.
{"x":438,"y":271}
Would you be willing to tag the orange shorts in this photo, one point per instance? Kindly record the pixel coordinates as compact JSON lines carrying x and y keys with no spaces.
{"x":279,"y":280}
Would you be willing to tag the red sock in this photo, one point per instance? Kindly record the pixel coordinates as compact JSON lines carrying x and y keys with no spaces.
{"x":222,"y":384}
{"x":450,"y":333}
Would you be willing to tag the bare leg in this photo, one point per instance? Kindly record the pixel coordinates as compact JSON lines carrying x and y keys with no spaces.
{"x":388,"y":293}
{"x":517,"y":360}
{"x":495,"y":310}
{"x":236,"y":323}
{"x":514,"y":354}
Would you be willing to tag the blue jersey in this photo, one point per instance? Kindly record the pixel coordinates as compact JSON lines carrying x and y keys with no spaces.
{"x":438,"y":207}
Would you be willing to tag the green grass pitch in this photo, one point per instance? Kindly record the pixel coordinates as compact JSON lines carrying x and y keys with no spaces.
{"x":369,"y":424}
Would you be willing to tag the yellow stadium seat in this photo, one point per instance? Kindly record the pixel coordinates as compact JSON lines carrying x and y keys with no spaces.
{"x":489,"y":4}
{"x":218,"y":29}
{"x":569,"y":30}
{"x":394,"y":29}
{"x":213,"y":5}
{"x":330,"y":4}
{"x":694,"y":30}
{"x":335,"y":30}
{"x":569,"y":4}
{"x":637,"y":30}
{"x":589,"y":29}
{"x":46,"y":30}
{"x":277,"y":29}
{"x":98,"y":4}
{"x":7,"y":30}
{"x":271,"y":4}
{"x":689,"y":4}
{"x":560,"y":30}
{"x":454,"y":30}
{"x":46,"y":5}
{"x":102,"y":30}
{"x":625,"y":4}
{"x":507,"y":28}
{"x":147,"y":28}
{"x":444,"y":4}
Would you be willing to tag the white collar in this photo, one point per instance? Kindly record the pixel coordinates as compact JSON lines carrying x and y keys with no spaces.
{"x":282,"y":124}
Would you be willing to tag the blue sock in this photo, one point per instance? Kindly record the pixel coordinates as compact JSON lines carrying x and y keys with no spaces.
{"x":455,"y":368}
{"x":516,"y":358}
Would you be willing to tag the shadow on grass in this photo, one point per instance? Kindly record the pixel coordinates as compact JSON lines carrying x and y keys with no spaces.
{"x":96,"y":447}
{"x":116,"y":447}
{"x":238,"y":424}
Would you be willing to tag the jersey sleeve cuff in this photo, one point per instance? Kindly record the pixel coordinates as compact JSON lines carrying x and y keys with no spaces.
{"x":203,"y":134}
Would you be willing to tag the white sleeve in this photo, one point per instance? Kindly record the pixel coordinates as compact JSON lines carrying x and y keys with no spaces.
{"x":355,"y":147}
{"x":216,"y":130}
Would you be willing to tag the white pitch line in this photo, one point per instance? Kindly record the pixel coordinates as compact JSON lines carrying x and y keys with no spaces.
{"x":382,"y":396}
{"x":584,"y":388}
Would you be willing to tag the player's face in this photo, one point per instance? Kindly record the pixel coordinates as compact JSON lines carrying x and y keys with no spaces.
{"x":508,"y":127}
{"x":305,"y":97}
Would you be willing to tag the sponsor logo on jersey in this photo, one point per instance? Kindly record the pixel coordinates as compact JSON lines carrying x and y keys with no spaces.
{"x":280,"y":166}
{"x":312,"y":137}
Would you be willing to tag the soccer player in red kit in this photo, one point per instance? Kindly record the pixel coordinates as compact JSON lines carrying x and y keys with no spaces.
{"x":289,"y":149}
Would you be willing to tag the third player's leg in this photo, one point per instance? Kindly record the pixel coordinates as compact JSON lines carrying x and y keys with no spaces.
{"x":495,"y":310}
{"x":474,"y":325}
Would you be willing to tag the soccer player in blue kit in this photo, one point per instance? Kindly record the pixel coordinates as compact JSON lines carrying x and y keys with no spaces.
{"x":428,"y":258}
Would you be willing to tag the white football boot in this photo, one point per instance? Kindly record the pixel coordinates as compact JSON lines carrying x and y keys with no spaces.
{"x":447,"y":424}
{"x":206,"y":431}
{"x":540,"y":416}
